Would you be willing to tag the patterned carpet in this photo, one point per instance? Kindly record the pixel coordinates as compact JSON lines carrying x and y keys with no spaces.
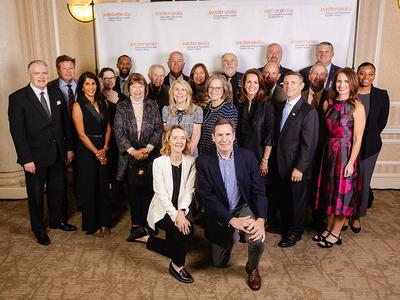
{"x":77,"y":266}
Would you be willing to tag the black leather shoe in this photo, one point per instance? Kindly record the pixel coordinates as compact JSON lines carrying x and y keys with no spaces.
{"x":64,"y":226}
{"x":289,"y":240}
{"x":43,"y":239}
{"x":136,"y":232}
{"x":182,"y":275}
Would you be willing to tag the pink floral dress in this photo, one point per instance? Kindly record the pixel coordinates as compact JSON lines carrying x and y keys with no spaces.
{"x":338,"y":194}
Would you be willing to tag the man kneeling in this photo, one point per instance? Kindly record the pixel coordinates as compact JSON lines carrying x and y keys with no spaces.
{"x":233,"y":193}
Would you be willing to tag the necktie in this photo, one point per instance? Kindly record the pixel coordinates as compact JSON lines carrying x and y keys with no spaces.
{"x":44,"y":104}
{"x":71,"y":98}
{"x":285,"y":114}
{"x":314,"y":101}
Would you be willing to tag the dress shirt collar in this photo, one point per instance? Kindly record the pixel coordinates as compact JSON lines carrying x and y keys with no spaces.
{"x":293,"y":102}
{"x":38,"y":91}
{"x":62,"y":83}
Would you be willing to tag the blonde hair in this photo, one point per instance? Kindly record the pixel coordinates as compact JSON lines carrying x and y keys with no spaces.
{"x":166,"y":148}
{"x":172,"y":104}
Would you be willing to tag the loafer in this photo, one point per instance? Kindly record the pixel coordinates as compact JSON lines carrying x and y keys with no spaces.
{"x":43,"y":239}
{"x":136,"y":232}
{"x":254,"y":279}
{"x":64,"y":226}
{"x":182,"y":275}
{"x":289,"y":241}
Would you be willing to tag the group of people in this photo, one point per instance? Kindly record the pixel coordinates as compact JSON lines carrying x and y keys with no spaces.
{"x":222,"y":141}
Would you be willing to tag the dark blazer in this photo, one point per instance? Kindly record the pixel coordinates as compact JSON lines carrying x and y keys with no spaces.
{"x":320,"y":108}
{"x":166,"y":79}
{"x":278,"y":95}
{"x":295,"y":145}
{"x":37,"y":138}
{"x":210,"y":187}
{"x":159,"y":95}
{"x":256,"y":132}
{"x":117,"y":88}
{"x":376,"y":122}
{"x":126,"y":134}
{"x":236,"y":82}
{"x":56,"y":84}
{"x":306,"y":71}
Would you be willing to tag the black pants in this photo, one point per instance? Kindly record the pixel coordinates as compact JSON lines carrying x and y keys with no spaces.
{"x":292,"y":204}
{"x":53,"y":177}
{"x":175,"y":244}
{"x":139,"y":200}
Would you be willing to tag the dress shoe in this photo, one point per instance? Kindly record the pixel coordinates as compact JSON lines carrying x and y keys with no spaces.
{"x":355,"y":229}
{"x":151,"y":231}
{"x":182,"y":275}
{"x":64,"y":226}
{"x":43,"y":239}
{"x":289,"y":240}
{"x":254,"y":279}
{"x":136,"y":232}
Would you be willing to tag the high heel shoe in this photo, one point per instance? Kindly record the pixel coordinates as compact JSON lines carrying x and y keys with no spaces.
{"x":320,"y":236}
{"x":327,"y":244}
{"x":355,"y":229}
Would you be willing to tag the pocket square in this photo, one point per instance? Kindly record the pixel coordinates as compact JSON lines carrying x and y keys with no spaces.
{"x":293,"y":114}
{"x":58,"y":102}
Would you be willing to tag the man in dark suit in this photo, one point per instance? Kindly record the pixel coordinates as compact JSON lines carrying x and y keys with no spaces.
{"x":271,"y":74}
{"x":324,"y":55}
{"x":39,"y":126}
{"x":274,"y":54}
{"x":232,"y":190}
{"x":315,"y":95}
{"x":296,"y":136}
{"x":157,"y":90}
{"x":124,"y":65}
{"x":66,"y":82}
{"x":229,"y":64}
{"x":176,"y":63}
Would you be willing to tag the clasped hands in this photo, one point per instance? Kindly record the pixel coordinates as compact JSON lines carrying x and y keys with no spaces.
{"x":254,"y":228}
{"x":101,"y":156}
{"x":140,"y":154}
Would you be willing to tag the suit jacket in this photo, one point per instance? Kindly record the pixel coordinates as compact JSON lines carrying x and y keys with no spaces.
{"x":321,"y":100}
{"x":163,"y":186}
{"x":211,"y":188}
{"x":117,"y":88}
{"x":376,"y":122}
{"x":306,"y":71}
{"x":278,"y":95}
{"x":160,"y":96}
{"x":37,"y":138}
{"x":166,"y":79}
{"x":295,"y":145}
{"x":126,"y":133}
{"x":56,"y":84}
{"x":236,"y":82}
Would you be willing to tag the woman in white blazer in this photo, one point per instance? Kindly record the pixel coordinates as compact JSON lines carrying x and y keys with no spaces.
{"x":173,"y":182}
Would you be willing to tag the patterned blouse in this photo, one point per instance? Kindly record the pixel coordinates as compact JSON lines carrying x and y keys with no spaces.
{"x":183,"y":118}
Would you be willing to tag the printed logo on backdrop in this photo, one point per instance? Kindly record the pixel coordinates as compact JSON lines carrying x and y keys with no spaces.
{"x":222,"y":14}
{"x":278,"y":12}
{"x":143,"y":45}
{"x":304,"y":44}
{"x":195,"y":45}
{"x":116,"y":16}
{"x":336,"y":11}
{"x":168,"y":15}
{"x":249,"y":44}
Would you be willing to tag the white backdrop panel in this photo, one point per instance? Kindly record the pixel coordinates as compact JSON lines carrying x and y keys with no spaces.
{"x":203,"y":30}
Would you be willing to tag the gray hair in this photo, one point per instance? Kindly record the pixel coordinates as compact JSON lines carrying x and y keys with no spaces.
{"x":37,"y":62}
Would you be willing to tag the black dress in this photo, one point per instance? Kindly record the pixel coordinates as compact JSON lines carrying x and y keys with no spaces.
{"x":93,"y":177}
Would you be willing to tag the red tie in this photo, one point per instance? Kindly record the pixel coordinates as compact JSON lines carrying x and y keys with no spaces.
{"x":314,"y":101}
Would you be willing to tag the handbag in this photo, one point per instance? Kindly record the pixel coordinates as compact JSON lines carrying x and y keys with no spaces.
{"x":140,"y":172}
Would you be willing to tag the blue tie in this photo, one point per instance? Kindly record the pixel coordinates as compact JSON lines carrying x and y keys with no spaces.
{"x":285,"y":114}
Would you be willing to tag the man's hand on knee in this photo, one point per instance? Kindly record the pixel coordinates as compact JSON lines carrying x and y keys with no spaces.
{"x":257,"y":230}
{"x":241,"y":223}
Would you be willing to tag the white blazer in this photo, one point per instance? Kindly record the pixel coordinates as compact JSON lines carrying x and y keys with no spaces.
{"x":161,"y":203}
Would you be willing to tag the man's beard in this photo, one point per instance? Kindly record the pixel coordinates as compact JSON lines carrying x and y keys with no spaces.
{"x":230,"y":72}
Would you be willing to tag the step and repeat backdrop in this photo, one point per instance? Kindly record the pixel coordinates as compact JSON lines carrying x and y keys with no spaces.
{"x":204,"y":30}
